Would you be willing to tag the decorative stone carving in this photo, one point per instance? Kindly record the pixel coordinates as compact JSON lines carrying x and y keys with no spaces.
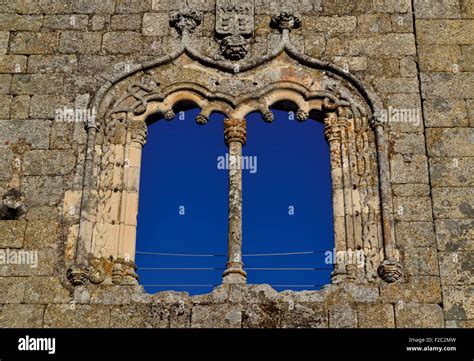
{"x":235,"y":130}
{"x":201,"y":119}
{"x":301,"y":115}
{"x":139,"y":131}
{"x":390,"y":270}
{"x":186,"y":21}
{"x":234,"y":27}
{"x":12,"y":205}
{"x":77,"y":275}
{"x":285,"y":21}
{"x":124,"y":273}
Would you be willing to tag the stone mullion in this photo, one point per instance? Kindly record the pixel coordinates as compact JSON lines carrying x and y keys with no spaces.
{"x":235,"y":137}
{"x":333,"y":135}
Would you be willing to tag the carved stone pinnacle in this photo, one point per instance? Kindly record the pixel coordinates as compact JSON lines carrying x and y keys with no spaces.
{"x":235,"y":130}
{"x":186,"y":21}
{"x":285,"y":21}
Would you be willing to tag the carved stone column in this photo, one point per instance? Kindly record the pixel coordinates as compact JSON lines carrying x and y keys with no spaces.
{"x":235,"y":132}
{"x":390,"y":270}
{"x":124,"y":268}
{"x":332,"y":132}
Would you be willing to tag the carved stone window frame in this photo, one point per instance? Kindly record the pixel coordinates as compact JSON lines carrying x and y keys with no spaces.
{"x":362,"y":196}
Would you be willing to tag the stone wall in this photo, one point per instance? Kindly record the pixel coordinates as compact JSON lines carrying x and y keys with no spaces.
{"x":415,"y":55}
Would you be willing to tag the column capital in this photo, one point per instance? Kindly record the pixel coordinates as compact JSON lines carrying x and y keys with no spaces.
{"x":235,"y":130}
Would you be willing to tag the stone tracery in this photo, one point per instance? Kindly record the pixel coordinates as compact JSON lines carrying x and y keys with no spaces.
{"x":361,"y":193}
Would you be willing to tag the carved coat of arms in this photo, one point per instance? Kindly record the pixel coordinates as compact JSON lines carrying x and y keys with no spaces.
{"x":234,"y":27}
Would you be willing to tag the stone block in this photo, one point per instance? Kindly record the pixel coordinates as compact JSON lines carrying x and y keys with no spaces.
{"x":42,"y":190}
{"x":415,"y":315}
{"x":49,"y":162}
{"x":74,"y":315}
{"x":414,"y":234}
{"x":442,"y":112}
{"x":12,"y":233}
{"x":45,"y":290}
{"x":21,"y":316}
{"x":343,"y":316}
{"x":455,"y":234}
{"x":428,"y":9}
{"x":42,"y":233}
{"x":456,"y":267}
{"x":309,"y":315}
{"x":156,"y":24}
{"x":35,"y":132}
{"x":453,"y":202}
{"x":450,"y":142}
{"x":458,"y":302}
{"x":66,"y":22}
{"x":218,"y":315}
{"x":445,"y":31}
{"x":80,"y":42}
{"x":420,"y":289}
{"x":13,"y":63}
{"x":452,"y":172}
{"x":52,"y":63}
{"x":34,"y":43}
{"x":376,"y":315}
{"x":12,"y":289}
{"x":122,"y":42}
{"x":409,"y":168}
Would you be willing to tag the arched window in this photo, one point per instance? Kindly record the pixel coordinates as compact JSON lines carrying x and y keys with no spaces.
{"x":183,"y":205}
{"x":287,"y":202}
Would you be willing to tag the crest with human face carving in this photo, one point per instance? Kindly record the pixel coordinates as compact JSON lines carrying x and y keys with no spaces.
{"x":234,"y":27}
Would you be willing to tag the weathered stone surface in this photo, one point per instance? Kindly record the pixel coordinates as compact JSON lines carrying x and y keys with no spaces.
{"x":41,"y":234}
{"x":411,"y":190}
{"x":52,"y":63}
{"x":261,"y":315}
{"x":376,"y":316}
{"x":12,"y":234}
{"x":441,"y":84}
{"x":342,"y":317}
{"x":34,"y":43}
{"x":445,"y":32}
{"x":80,"y":42}
{"x":37,"y":84}
{"x":122,"y":42}
{"x":384,"y":45}
{"x":458,"y":302}
{"x":455,"y":234}
{"x":409,"y":168}
{"x":155,"y":24}
{"x":415,"y":234}
{"x":421,"y":261}
{"x":456,"y":267}
{"x":304,"y":316}
{"x":452,"y":172}
{"x":412,"y":208}
{"x":44,"y":162}
{"x":343,"y":24}
{"x":5,"y":103}
{"x":12,"y":289}
{"x":426,"y":9}
{"x":15,"y":22}
{"x":222,"y":316}
{"x":415,"y":315}
{"x":74,"y":315}
{"x":20,"y":108}
{"x":5,"y":81}
{"x":450,"y":142}
{"x":69,"y":22}
{"x":35,"y":132}
{"x":374,"y":23}
{"x":126,"y":22}
{"x":421,"y":289}
{"x":12,"y":63}
{"x":45,"y":290}
{"x":440,"y":58}
{"x":21,"y":316}
{"x":42,"y":190}
{"x":453,"y":202}
{"x":443,"y":112}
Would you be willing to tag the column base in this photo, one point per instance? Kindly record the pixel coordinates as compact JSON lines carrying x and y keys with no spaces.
{"x":234,"y":276}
